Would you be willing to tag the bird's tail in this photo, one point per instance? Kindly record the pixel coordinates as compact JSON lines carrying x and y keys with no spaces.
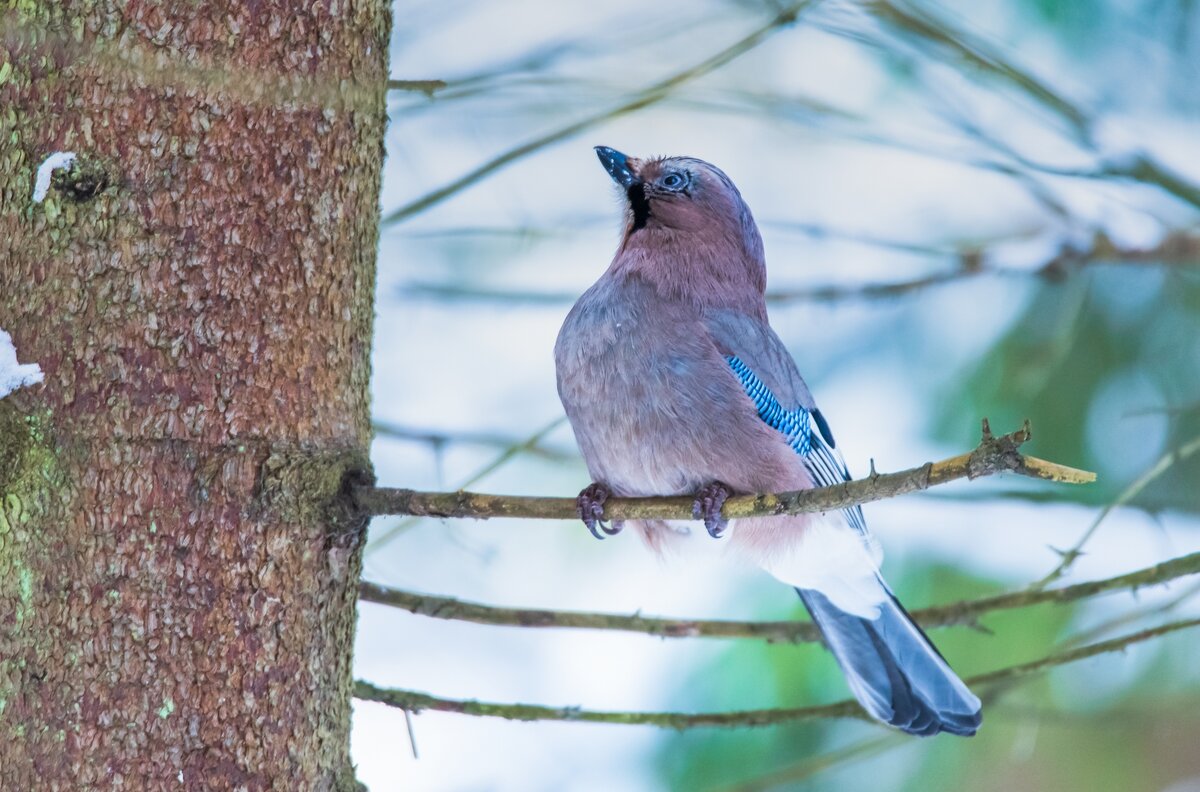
{"x":893,"y":668}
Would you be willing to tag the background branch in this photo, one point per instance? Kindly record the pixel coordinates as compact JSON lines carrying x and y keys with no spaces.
{"x":642,"y":99}
{"x":1165,"y":463}
{"x":440,"y":439}
{"x":957,"y":45}
{"x":994,"y":694}
{"x":427,"y":87}
{"x":1178,"y":248}
{"x":416,"y":702}
{"x":958,"y":613}
{"x":814,"y":765}
{"x":504,"y":457}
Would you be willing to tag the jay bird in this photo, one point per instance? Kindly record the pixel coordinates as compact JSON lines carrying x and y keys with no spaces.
{"x":675,"y":383}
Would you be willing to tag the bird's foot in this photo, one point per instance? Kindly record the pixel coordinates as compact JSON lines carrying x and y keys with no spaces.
{"x":707,"y":506}
{"x":590,"y":507}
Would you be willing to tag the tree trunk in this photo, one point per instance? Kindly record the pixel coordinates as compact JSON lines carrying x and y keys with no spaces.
{"x":178,"y":564}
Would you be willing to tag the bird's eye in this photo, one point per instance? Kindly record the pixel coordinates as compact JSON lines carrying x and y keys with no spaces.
{"x":673,"y":181}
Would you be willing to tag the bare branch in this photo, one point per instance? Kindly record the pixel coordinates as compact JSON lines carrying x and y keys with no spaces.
{"x":644,"y":98}
{"x":438,"y":439}
{"x":501,"y":459}
{"x":819,"y":763}
{"x":995,"y":692}
{"x":968,"y":49}
{"x":427,"y":87}
{"x":1082,"y":652}
{"x":965,"y":48}
{"x":965,"y":612}
{"x":993,"y":455}
{"x":1165,"y":463}
{"x":416,"y":702}
{"x":1179,"y":248}
{"x":993,"y":695}
{"x":1143,"y":168}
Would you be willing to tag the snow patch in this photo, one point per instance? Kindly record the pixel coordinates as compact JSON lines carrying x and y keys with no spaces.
{"x":56,"y":161}
{"x":15,"y":375}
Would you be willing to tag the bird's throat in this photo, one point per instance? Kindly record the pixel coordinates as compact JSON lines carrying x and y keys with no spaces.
{"x":639,"y":204}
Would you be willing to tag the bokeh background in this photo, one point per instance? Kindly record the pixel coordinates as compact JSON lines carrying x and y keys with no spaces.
{"x":970,"y":209}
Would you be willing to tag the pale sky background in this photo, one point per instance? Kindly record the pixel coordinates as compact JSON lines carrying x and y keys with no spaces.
{"x":482,"y":366}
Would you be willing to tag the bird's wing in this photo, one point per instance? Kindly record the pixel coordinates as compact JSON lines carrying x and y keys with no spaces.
{"x":768,"y":375}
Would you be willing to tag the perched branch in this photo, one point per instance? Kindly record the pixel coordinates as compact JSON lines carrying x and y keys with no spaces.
{"x":966,"y":612}
{"x":993,"y":455}
{"x":415,"y":702}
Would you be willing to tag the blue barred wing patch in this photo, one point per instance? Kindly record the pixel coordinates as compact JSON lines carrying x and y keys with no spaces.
{"x":821,"y":458}
{"x":793,"y":424}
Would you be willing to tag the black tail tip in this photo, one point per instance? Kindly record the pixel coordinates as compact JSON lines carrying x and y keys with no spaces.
{"x":923,"y":721}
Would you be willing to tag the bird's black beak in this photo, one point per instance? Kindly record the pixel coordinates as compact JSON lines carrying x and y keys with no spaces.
{"x":617,"y":165}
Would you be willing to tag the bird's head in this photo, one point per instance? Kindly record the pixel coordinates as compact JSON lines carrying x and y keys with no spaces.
{"x":683,"y":210}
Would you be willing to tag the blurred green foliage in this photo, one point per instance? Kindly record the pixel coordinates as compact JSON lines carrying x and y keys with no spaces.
{"x":1106,"y":366}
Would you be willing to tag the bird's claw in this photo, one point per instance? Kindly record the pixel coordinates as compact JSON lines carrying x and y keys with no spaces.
{"x":707,"y":507}
{"x":590,"y":507}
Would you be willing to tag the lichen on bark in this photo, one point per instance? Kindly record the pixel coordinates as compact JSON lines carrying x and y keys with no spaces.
{"x":30,"y":478}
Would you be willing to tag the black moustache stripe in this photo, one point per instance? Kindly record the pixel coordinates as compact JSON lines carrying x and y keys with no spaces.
{"x":640,"y":205}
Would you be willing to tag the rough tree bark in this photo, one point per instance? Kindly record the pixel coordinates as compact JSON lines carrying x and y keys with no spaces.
{"x":178,"y":569}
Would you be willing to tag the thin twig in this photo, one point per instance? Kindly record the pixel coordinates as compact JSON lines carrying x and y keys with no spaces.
{"x":828,"y":293}
{"x":440,"y":439}
{"x":958,"y":613}
{"x":993,"y":694}
{"x":503,"y":458}
{"x":1179,"y":248}
{"x":1131,"y":617}
{"x":820,"y":763}
{"x":993,"y":455}
{"x":427,"y":87}
{"x":412,"y":734}
{"x":1083,"y":652}
{"x":416,"y":702}
{"x":972,"y":51}
{"x":1165,"y":463}
{"x":648,"y":96}
{"x":965,"y":48}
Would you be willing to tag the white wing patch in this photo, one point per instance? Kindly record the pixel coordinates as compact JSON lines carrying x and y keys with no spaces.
{"x":843,"y":565}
